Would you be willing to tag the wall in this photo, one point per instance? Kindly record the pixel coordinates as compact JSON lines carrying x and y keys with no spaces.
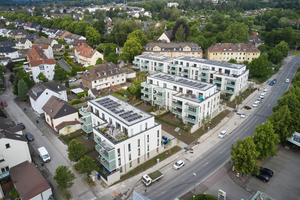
{"x":48,"y":72}
{"x":73,"y":128}
{"x":71,"y":117}
{"x":43,"y":196}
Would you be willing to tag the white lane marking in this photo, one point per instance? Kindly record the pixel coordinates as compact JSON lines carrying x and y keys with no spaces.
{"x":223,"y":151}
{"x":167,"y":170}
{"x":138,"y":186}
{"x":236,"y":139}
{"x":205,"y":164}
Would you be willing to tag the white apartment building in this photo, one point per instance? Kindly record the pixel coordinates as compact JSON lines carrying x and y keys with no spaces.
{"x":190,"y":100}
{"x":228,"y":77}
{"x":125,"y":135}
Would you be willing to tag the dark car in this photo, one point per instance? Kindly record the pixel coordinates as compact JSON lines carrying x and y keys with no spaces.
{"x":22,"y":126}
{"x":3,"y":104}
{"x":266,"y":171}
{"x":271,"y":83}
{"x":164,"y":137}
{"x":274,"y":80}
{"x":263,"y":177}
{"x":29,"y":137}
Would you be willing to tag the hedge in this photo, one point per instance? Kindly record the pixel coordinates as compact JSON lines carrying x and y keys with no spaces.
{"x":76,"y":101}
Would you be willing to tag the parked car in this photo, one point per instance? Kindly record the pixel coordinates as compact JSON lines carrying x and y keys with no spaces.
{"x":222,"y":134}
{"x":287,"y":80}
{"x":29,"y":137}
{"x":255,"y":104}
{"x":274,"y":80}
{"x":271,"y":83}
{"x":262,"y":177}
{"x":164,"y":137}
{"x":262,"y":96}
{"x":22,"y":126}
{"x":265,"y":90}
{"x":243,"y":115}
{"x":72,"y":80}
{"x":259,"y":99}
{"x":266,"y":171}
{"x":178,"y":164}
{"x":3,"y":103}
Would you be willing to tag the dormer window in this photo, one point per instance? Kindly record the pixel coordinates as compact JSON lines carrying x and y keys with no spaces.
{"x":224,"y":49}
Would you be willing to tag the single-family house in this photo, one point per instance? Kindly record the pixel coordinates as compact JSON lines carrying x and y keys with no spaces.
{"x":23,"y":43}
{"x":31,"y":26}
{"x":9,"y":52}
{"x":58,"y":48}
{"x":33,"y":36}
{"x":61,"y":34}
{"x":61,"y":116}
{"x":86,"y":55}
{"x":42,"y":41}
{"x":19,"y":33}
{"x":71,"y":37}
{"x":7,"y":43}
{"x":78,"y":43}
{"x":40,"y":93}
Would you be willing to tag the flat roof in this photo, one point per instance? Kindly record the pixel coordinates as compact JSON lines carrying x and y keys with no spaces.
{"x":77,"y":90}
{"x":209,"y":62}
{"x":178,"y":80}
{"x":121,"y":110}
{"x":155,"y":57}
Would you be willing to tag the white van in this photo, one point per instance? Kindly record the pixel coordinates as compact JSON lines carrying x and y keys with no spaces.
{"x":44,"y":154}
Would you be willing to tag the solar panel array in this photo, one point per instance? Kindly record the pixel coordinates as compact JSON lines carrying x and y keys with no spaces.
{"x":112,"y":106}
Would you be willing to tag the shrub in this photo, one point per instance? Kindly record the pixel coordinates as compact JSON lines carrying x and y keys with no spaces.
{"x":128,"y":80}
{"x":80,"y":95}
{"x":76,"y":101}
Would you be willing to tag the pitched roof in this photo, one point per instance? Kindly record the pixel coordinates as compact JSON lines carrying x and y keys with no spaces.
{"x":102,"y":71}
{"x":79,"y":42}
{"x":43,"y":41}
{"x":36,"y":56}
{"x":7,"y":50}
{"x":22,"y":40}
{"x":233,"y":47}
{"x":7,"y":43}
{"x":21,"y":174}
{"x":95,"y":92}
{"x":86,"y":51}
{"x":33,"y":36}
{"x":255,"y":39}
{"x":19,"y":32}
{"x":39,"y":88}
{"x":63,"y":124}
{"x":4,"y":133}
{"x":172,"y":46}
{"x":56,"y":108}
{"x":57,"y":45}
{"x":169,"y":34}
{"x":72,"y":36}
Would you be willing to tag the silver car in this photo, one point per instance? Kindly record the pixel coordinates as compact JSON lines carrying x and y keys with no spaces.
{"x":178,"y":164}
{"x":222,"y":134}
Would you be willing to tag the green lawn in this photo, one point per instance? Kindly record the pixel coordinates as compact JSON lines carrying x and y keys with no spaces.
{"x":295,"y":53}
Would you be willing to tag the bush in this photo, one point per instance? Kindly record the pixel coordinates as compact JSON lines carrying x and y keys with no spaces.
{"x":128,"y":80}
{"x":77,"y":101}
{"x":80,"y":95}
{"x":68,"y":139}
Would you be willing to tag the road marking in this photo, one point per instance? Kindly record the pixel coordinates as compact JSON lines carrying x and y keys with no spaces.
{"x":223,"y":151}
{"x":236,"y":139}
{"x":167,"y":170}
{"x":205,"y":164}
{"x":138,"y":186}
{"x":247,"y":129}
{"x":268,"y":105}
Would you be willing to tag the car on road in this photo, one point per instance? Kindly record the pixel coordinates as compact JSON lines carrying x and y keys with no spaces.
{"x":222,"y":134}
{"x":29,"y":137}
{"x":263,"y":177}
{"x":262,"y":95}
{"x":274,"y":80}
{"x":178,"y":164}
{"x":255,"y":104}
{"x":266,"y":171}
{"x":287,"y":80}
{"x":271,"y":83}
{"x":265,"y":90}
{"x":3,"y":103}
{"x":22,"y":126}
{"x":72,"y":80}
{"x":243,"y":115}
{"x":259,"y":99}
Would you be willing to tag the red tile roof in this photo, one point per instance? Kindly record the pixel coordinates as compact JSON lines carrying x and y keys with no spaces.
{"x":233,"y":47}
{"x":37,"y":57}
{"x":86,"y":51}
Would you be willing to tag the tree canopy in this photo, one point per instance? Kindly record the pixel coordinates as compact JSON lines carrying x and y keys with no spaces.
{"x":64,"y":177}
{"x":76,"y":150}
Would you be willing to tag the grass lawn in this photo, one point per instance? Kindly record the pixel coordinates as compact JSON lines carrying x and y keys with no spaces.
{"x":295,"y":53}
{"x":200,"y":197}
{"x":233,"y":103}
{"x":151,"y":162}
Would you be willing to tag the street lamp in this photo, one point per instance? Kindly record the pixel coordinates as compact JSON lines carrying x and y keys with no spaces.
{"x":194,"y":183}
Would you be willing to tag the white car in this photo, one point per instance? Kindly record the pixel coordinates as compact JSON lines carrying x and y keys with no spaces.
{"x":178,"y":164}
{"x":265,"y":90}
{"x":259,"y":99}
{"x":262,"y":95}
{"x":222,"y":134}
{"x":287,"y":80}
{"x":255,"y":104}
{"x":72,"y":80}
{"x":243,"y":115}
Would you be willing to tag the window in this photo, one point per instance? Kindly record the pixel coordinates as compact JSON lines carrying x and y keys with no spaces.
{"x":147,"y":147}
{"x":5,"y":169}
{"x":130,"y":164}
{"x":147,"y":138}
{"x":146,"y":125}
{"x":158,"y":133}
{"x":129,"y":147}
{"x":165,"y":85}
{"x":157,"y":141}
{"x":119,"y":153}
{"x":174,"y":88}
{"x":129,"y":156}
{"x":139,"y":151}
{"x":119,"y":160}
{"x":148,"y":155}
{"x":139,"y":143}
{"x":7,"y":145}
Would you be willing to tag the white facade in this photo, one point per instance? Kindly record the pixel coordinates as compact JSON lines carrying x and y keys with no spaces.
{"x":26,"y":45}
{"x":42,"y":99}
{"x":46,"y":69}
{"x":228,"y":77}
{"x":125,"y":135}
{"x":44,"y":195}
{"x":190,"y":100}
{"x":11,"y":55}
{"x":13,"y":152}
{"x":175,"y":4}
{"x":54,"y":122}
{"x":49,"y":52}
{"x":110,"y":80}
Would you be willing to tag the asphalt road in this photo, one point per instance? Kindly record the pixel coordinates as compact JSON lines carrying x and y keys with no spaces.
{"x":176,"y":186}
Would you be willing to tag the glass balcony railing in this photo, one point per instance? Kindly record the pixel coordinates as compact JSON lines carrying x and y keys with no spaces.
{"x":144,"y":68}
{"x":136,"y":66}
{"x":108,"y":165}
{"x":203,"y":75}
{"x":136,"y":62}
{"x":173,"y":65}
{"x":145,"y":85}
{"x":184,"y":67}
{"x":172,"y":70}
{"x":203,"y":70}
{"x":177,"y":112}
{"x":229,"y":85}
{"x":159,"y":95}
{"x":146,"y":91}
{"x":146,"y":98}
{"x":109,"y":156}
{"x":177,"y":105}
{"x":229,"y":91}
{"x":191,"y":112}
{"x":159,"y":102}
{"x":194,"y":121}
{"x":144,"y":63}
{"x":185,"y":72}
{"x":159,"y":67}
{"x":87,"y":128}
{"x":217,"y":81}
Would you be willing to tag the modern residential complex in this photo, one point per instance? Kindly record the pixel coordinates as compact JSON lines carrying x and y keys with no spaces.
{"x":190,"y":100}
{"x":125,"y":135}
{"x":239,"y":51}
{"x":173,"y":49}
{"x":229,"y":78}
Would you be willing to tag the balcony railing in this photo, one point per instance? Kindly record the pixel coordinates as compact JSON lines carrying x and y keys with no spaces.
{"x":217,"y":81}
{"x":229,"y":91}
{"x":144,"y":63}
{"x":84,"y":111}
{"x":159,"y":94}
{"x":229,"y":85}
{"x":136,"y":62}
{"x":159,"y":67}
{"x":87,"y":128}
{"x":203,"y":75}
{"x":177,"y":105}
{"x":136,"y":66}
{"x":177,"y":112}
{"x":191,"y":112}
{"x":146,"y":91}
{"x":144,"y":68}
{"x":159,"y":102}
{"x":173,"y":65}
{"x":194,"y":121}
{"x":108,"y":165}
{"x":185,"y":72}
{"x":109,"y":156}
{"x":184,"y":67}
{"x":146,"y":98}
{"x":172,"y":70}
{"x":203,"y":70}
{"x":145,"y":85}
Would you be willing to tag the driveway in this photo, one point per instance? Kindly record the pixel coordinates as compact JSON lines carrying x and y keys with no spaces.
{"x":63,"y":64}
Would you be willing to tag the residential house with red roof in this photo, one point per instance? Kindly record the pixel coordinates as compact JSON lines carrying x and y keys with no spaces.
{"x":41,"y":60}
{"x":85,"y":55}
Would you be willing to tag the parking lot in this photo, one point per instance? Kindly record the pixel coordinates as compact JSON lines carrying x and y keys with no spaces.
{"x":285,"y":182}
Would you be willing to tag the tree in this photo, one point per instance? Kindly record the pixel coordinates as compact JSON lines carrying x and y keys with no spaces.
{"x":283,"y":47}
{"x":76,"y":150}
{"x":99,"y":26}
{"x":22,"y":90}
{"x":99,"y":61}
{"x":93,"y":36}
{"x":86,"y":165}
{"x":11,"y":27}
{"x":260,"y":67}
{"x":60,"y":74}
{"x":42,"y":77}
{"x":138,"y":34}
{"x":180,"y":35}
{"x":262,"y":48}
{"x":67,"y":84}
{"x":135,"y":88}
{"x":64,"y":177}
{"x":244,"y":156}
{"x":107,"y":48}
{"x":132,"y":47}
{"x":272,"y":23}
{"x":265,"y":140}
{"x":113,"y":57}
{"x":185,"y":27}
{"x":175,"y":14}
{"x":237,"y":32}
{"x":275,"y":56}
{"x":232,"y":60}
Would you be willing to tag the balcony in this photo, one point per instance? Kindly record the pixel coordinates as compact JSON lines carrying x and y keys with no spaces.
{"x":87,"y":128}
{"x":158,"y":89}
{"x":85,"y":111}
{"x":177,"y":105}
{"x":159,"y":102}
{"x":146,"y":98}
{"x":144,"y":68}
{"x":229,"y":91}
{"x":219,"y":87}
{"x":172,"y":70}
{"x":177,"y":112}
{"x":217,"y":81}
{"x":203,"y":75}
{"x":114,"y":135}
{"x":185,"y":72}
{"x":184,"y":67}
{"x":159,"y":67}
{"x":136,"y":62}
{"x":108,"y":165}
{"x":147,"y":91}
{"x":145,"y":85}
{"x":194,"y":121}
{"x":108,"y":155}
{"x":195,"y":113}
{"x":172,"y":65}
{"x":145,"y":63}
{"x":229,"y":85}
{"x":203,"y":70}
{"x":159,"y":95}
{"x":136,"y":66}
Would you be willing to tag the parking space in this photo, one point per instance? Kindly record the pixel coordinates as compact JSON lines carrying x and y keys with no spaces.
{"x":285,"y":182}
